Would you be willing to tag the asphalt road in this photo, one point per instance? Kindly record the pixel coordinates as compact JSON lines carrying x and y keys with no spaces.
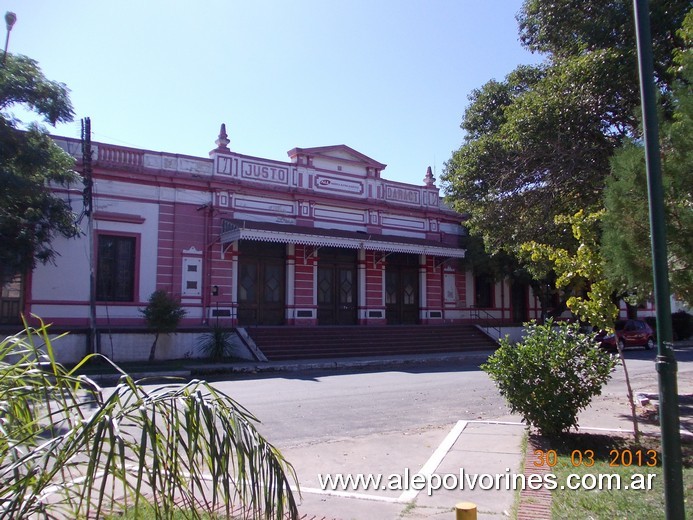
{"x":643,"y":373}
{"x":308,"y":407}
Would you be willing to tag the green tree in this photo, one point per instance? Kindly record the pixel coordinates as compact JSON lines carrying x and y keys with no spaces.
{"x":580,"y":272}
{"x":31,"y":215}
{"x":538,"y":144}
{"x":626,"y":240}
{"x":163,"y":314}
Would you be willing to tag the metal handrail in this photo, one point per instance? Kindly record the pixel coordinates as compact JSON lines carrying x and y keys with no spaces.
{"x":488,"y":322}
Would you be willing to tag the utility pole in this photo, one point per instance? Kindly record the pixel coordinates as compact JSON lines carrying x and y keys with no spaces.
{"x":665,"y":364}
{"x":87,"y":195}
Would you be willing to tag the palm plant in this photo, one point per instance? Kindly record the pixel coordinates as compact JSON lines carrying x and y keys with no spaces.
{"x":217,"y":343}
{"x":69,"y":448}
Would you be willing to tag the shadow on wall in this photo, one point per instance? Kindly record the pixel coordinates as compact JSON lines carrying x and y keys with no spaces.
{"x":134,"y":346}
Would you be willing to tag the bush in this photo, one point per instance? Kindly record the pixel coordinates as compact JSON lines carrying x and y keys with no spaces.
{"x":652,"y":322}
{"x":551,"y":375}
{"x":217,"y":343}
{"x":681,"y":325}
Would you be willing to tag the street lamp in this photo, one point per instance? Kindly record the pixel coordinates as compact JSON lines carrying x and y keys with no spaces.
{"x":10,"y":19}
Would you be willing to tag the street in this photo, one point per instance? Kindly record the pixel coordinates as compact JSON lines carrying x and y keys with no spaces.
{"x":310,"y":407}
{"x":307,"y":407}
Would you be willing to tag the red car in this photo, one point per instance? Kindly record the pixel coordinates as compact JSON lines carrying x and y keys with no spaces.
{"x":628,"y":333}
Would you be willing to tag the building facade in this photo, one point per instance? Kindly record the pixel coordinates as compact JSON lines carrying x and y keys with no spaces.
{"x":320,"y":239}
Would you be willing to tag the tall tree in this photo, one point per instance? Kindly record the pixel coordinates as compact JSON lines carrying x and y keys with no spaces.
{"x":31,"y":215}
{"x":626,"y":240}
{"x":538,"y":144}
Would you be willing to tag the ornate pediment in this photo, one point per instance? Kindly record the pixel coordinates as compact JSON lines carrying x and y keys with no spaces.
{"x":337,"y":157}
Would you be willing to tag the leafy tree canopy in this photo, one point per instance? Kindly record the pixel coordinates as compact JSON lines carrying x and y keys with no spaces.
{"x":626,"y":240}
{"x":538,"y":144}
{"x":31,"y":215}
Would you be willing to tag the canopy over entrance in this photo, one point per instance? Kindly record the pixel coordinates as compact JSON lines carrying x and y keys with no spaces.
{"x":233,"y":230}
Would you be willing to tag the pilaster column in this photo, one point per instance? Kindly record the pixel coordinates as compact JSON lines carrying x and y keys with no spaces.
{"x":423,"y":288}
{"x":361,"y":280}
{"x":234,"y":279}
{"x":290,"y":281}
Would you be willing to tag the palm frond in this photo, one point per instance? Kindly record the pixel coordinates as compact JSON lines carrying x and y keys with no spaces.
{"x":69,"y":448}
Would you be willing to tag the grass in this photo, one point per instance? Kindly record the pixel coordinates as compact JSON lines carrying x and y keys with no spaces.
{"x":611,"y":457}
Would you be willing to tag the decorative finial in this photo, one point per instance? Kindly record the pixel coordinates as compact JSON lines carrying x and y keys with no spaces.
{"x":223,"y":140}
{"x":429,"y":180}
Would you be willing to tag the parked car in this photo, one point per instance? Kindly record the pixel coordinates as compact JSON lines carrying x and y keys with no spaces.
{"x":628,"y":333}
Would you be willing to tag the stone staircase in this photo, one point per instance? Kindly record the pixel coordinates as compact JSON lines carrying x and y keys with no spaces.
{"x":285,"y":343}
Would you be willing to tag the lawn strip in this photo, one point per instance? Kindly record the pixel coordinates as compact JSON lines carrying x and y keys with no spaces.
{"x":591,"y":460}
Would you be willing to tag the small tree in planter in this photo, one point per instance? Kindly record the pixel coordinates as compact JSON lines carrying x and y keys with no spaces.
{"x":163,"y":314}
{"x":551,"y":375}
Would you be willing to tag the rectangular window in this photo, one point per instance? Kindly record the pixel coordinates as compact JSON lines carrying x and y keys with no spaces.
{"x":10,"y":296}
{"x":115,"y":272}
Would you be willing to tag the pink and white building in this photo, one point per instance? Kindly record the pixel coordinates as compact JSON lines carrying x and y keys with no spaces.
{"x":319,"y":239}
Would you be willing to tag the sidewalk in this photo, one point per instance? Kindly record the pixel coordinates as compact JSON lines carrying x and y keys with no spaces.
{"x":477,"y":448}
{"x":461,"y":456}
{"x":458,"y":455}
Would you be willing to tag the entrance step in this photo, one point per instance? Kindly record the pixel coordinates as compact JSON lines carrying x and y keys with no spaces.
{"x":285,"y":343}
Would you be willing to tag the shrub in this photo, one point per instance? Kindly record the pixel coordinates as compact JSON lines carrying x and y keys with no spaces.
{"x":163,"y":314}
{"x":217,"y":343}
{"x":69,"y":449}
{"x":551,"y":375}
{"x":681,"y":325}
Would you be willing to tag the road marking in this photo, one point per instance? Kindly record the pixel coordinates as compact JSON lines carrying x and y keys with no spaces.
{"x":427,"y":469}
{"x":436,"y":458}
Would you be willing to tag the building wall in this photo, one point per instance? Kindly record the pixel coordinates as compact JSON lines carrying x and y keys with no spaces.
{"x":175,"y":206}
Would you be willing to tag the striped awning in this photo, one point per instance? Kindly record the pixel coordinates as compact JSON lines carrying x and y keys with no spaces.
{"x":233,"y":230}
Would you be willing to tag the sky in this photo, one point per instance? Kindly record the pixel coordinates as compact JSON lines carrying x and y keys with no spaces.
{"x":389,"y":78}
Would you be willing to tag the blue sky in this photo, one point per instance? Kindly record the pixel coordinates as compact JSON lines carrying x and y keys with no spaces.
{"x":390,"y":78}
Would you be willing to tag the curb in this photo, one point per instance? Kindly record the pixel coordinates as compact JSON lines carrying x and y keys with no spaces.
{"x":257,"y":367}
{"x":268,"y":367}
{"x":251,"y":367}
{"x":151,"y":377}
